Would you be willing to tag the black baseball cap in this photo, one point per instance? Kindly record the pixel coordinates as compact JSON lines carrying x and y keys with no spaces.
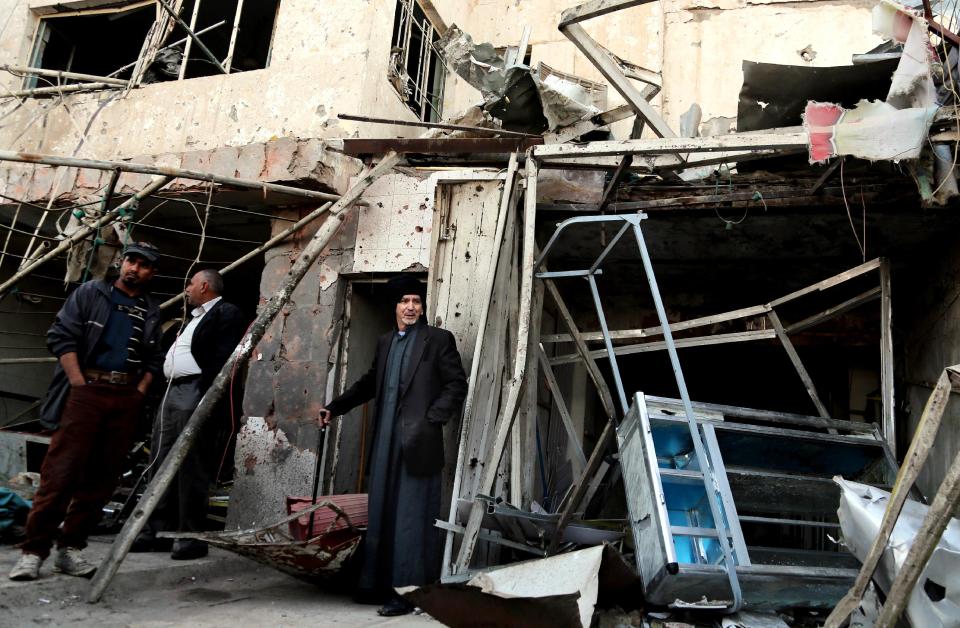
{"x":144,"y":249}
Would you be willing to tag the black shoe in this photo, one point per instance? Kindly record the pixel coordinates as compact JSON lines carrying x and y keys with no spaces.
{"x":396,"y":605}
{"x":144,"y":543}
{"x":149,"y":543}
{"x":188,"y":549}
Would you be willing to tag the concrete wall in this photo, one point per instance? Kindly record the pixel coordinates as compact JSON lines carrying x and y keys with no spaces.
{"x":698,"y":45}
{"x":328,"y":58}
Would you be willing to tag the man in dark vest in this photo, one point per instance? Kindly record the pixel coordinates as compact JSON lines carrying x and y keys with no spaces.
{"x":418,"y":383}
{"x":106,"y":338}
{"x":206,"y":340}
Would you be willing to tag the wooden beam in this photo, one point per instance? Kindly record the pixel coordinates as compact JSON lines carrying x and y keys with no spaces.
{"x":734,"y":141}
{"x":554,"y":387}
{"x":435,"y":125}
{"x":439,"y":145}
{"x":923,"y":440}
{"x":611,"y":190}
{"x":846,"y":275}
{"x":509,"y":408}
{"x":833,"y":312}
{"x":680,"y":343}
{"x":889,"y":421}
{"x":59,"y":74}
{"x":615,"y":76}
{"x":656,"y":330}
{"x":797,"y":363}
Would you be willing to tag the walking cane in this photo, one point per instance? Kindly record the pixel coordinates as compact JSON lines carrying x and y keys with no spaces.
{"x":321,"y":443}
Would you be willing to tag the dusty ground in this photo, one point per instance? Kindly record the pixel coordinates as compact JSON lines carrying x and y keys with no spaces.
{"x":152,"y":591}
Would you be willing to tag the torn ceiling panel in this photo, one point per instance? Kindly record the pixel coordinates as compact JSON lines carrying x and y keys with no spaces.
{"x":871,"y":130}
{"x":775,"y":95}
{"x":522,"y":98}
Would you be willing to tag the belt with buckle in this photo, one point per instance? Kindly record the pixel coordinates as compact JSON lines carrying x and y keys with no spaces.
{"x":117,"y":378}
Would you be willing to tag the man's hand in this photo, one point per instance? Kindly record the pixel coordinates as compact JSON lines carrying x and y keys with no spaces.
{"x":71,"y":366}
{"x":324,"y":418}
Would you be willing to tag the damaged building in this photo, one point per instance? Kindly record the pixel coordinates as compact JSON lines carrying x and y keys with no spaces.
{"x":698,"y":258}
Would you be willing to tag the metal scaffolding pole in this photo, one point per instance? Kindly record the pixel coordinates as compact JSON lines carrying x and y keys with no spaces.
{"x":166,"y":171}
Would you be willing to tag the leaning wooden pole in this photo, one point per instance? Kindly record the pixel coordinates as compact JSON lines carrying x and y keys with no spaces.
{"x":168,"y":469}
{"x":509,"y":408}
{"x":923,"y":440}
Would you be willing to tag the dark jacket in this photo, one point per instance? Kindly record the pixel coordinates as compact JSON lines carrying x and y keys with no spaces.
{"x":432,"y":389}
{"x":77,"y":329}
{"x":215,"y":338}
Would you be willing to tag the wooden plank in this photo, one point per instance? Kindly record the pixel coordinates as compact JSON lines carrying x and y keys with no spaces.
{"x":558,"y":400}
{"x":833,"y":312}
{"x":734,"y":141}
{"x":582,"y":352}
{"x":523,"y":468}
{"x":509,"y":408}
{"x":889,"y":421}
{"x":657,"y":330}
{"x":680,"y":343}
{"x":846,"y":275}
{"x":483,"y":346}
{"x":797,"y":363}
{"x":596,"y":8}
{"x":438,"y":145}
{"x":923,"y":440}
{"x":766,"y":415}
{"x":615,"y":76}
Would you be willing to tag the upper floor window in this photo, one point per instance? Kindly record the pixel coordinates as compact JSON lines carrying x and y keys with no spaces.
{"x":416,"y":70}
{"x":144,"y":42}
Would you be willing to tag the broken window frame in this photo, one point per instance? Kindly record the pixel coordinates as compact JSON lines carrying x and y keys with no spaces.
{"x":154,"y":40}
{"x":427,"y":105}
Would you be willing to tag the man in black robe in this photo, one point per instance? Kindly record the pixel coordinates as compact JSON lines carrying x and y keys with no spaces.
{"x":419,"y":385}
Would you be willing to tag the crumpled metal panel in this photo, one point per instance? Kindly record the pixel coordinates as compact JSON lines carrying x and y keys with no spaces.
{"x":935,"y":600}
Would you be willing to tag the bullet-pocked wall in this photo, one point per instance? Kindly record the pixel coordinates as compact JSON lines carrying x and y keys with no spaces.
{"x":326,"y":58}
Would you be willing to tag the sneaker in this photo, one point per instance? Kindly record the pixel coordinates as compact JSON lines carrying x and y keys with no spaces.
{"x":27,"y":568}
{"x":70,"y":561}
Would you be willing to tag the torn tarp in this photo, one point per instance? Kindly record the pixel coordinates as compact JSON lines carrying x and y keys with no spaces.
{"x":516,"y":94}
{"x":912,"y":84}
{"x":871,"y":130}
{"x":935,"y":601}
{"x":559,"y":591}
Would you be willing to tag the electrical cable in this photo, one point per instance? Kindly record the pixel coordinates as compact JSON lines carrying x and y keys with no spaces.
{"x":843,"y":189}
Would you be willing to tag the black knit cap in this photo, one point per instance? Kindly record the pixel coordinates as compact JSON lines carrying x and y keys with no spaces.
{"x":402,"y":285}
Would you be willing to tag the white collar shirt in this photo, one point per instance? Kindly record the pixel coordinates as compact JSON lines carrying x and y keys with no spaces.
{"x":180,"y":361}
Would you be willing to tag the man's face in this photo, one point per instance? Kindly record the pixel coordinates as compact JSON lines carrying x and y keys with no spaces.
{"x":409,"y":309}
{"x":136,"y":272}
{"x":196,"y":290}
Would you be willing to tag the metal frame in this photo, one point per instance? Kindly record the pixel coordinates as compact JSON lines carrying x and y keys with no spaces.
{"x":429,"y":104}
{"x":707,"y":462}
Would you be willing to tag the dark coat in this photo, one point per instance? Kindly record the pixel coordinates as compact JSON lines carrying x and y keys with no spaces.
{"x":215,"y":338}
{"x":432,"y":389}
{"x":77,"y":329}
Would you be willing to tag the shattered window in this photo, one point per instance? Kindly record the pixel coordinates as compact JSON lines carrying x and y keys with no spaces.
{"x":79,"y":41}
{"x":416,"y":70}
{"x":109,"y":41}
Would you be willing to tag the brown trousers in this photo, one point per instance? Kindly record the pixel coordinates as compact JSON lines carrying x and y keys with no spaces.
{"x":82,"y":465}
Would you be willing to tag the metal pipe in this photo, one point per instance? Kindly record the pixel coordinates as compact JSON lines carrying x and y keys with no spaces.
{"x":186,"y":49}
{"x":26,"y":360}
{"x":706,"y":464}
{"x":609,"y":344}
{"x":186,"y":27}
{"x":434,"y":125}
{"x":74,"y":87}
{"x":59,"y":74}
{"x":233,"y":44}
{"x":168,"y":469}
{"x":167,"y":171}
{"x":260,"y":249}
{"x":83,"y":232}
